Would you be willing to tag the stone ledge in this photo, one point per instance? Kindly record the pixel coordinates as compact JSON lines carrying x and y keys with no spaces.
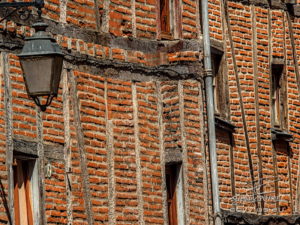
{"x":176,"y":70}
{"x":109,"y":40}
{"x":254,"y":219}
{"x":113,"y":68}
{"x":224,"y":125}
{"x":280,"y":135}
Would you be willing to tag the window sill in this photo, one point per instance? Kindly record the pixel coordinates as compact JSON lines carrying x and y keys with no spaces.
{"x":280,"y":135}
{"x":224,"y":124}
{"x":166,"y":36}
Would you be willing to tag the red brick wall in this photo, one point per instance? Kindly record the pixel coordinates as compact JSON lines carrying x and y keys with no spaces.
{"x":257,"y":35}
{"x":116,"y":124}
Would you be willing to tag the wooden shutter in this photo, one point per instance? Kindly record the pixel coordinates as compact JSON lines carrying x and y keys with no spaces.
{"x":22,"y":194}
{"x":165,"y":16}
{"x":171,"y":181}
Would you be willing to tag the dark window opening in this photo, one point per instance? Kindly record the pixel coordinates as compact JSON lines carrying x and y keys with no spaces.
{"x":278,"y":97}
{"x":220,"y":84}
{"x":217,"y":79}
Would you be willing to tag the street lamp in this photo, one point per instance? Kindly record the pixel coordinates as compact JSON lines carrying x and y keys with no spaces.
{"x":41,"y":60}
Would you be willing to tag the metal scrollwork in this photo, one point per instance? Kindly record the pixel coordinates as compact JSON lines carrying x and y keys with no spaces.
{"x":24,"y":13}
{"x":20,"y":9}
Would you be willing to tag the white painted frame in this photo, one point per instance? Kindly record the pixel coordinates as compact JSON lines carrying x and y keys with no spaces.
{"x":34,"y":180}
{"x":180,"y":197}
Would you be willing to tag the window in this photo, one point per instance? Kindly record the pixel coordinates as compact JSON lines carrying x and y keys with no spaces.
{"x":216,"y":61}
{"x":170,"y":19}
{"x":165,"y":17}
{"x":25,"y":191}
{"x":278,"y":96}
{"x":174,"y":185}
{"x":220,"y":84}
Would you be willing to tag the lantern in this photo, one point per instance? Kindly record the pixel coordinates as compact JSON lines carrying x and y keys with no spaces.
{"x":41,"y":60}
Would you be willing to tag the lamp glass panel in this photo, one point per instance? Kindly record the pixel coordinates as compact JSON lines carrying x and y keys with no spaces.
{"x":57,"y":67}
{"x":37,"y":73}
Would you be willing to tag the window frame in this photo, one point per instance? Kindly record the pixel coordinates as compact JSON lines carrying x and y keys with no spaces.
{"x":220,"y":84}
{"x":216,"y":61}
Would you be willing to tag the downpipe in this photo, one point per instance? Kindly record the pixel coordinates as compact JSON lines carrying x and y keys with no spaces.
{"x":210,"y":114}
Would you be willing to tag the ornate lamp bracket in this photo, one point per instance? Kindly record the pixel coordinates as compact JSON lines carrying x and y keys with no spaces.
{"x":22,"y":8}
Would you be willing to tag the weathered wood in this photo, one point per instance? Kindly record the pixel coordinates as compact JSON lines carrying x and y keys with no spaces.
{"x":295,"y":63}
{"x":137,"y":155}
{"x":178,"y":70}
{"x":178,"y":19}
{"x":111,"y":163}
{"x":184,"y":154}
{"x":232,"y":171}
{"x":289,"y":150}
{"x":97,"y":16}
{"x":63,"y":11}
{"x":9,"y":135}
{"x":162,"y":151}
{"x":204,"y":159}
{"x":133,"y":18}
{"x":80,"y":145}
{"x":257,"y":111}
{"x":275,"y":171}
{"x":241,"y":103}
{"x":290,"y":179}
{"x":158,"y":25}
{"x":67,"y":147}
{"x":51,"y":152}
{"x":126,"y":71}
{"x":41,"y":166}
{"x":105,"y":16}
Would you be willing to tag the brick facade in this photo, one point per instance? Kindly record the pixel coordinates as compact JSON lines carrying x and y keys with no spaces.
{"x":131,"y":102}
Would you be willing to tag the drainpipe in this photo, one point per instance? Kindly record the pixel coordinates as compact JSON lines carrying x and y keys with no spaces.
{"x":210,"y":114}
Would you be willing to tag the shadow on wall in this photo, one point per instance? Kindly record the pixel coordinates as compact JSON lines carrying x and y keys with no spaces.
{"x":4,"y":201}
